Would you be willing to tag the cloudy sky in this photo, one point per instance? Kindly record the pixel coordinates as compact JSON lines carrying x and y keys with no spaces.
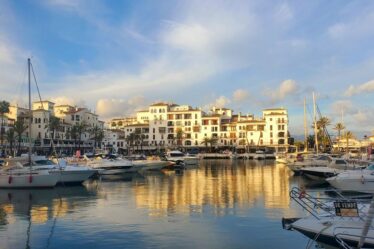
{"x":118,"y":56}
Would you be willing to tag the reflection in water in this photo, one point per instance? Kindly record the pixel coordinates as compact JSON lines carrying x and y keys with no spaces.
{"x":218,"y":184}
{"x":215,"y":205}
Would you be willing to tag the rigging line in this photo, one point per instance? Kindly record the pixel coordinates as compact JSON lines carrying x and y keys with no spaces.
{"x":54,"y":221}
{"x":41,"y":102}
{"x":58,"y":162}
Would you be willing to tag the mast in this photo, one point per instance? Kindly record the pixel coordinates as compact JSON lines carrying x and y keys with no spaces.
{"x":30,"y":112}
{"x":315,"y":122}
{"x":305,"y":128}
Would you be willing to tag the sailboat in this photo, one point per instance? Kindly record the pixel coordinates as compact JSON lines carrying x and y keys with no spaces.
{"x":18,"y":176}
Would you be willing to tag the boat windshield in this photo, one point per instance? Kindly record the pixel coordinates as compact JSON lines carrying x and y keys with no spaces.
{"x":176,"y":154}
{"x":340,"y":162}
{"x":370,"y":167}
{"x":44,"y":162}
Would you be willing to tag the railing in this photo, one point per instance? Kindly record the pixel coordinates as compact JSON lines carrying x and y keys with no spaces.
{"x":323,"y":207}
{"x":347,"y":242}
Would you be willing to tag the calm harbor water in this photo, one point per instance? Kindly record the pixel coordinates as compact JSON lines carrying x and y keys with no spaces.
{"x":220,"y":204}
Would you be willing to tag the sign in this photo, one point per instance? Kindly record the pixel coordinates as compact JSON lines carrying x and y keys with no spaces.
{"x":346,"y":208}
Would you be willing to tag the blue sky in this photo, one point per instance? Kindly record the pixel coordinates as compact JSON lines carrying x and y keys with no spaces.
{"x":116,"y":57}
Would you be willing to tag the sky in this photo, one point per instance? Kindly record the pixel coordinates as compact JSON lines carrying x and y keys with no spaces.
{"x":116,"y":57}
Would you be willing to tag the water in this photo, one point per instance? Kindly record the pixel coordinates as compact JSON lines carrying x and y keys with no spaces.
{"x":220,"y":204}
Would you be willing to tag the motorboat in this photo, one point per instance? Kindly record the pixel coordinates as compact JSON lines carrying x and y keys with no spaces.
{"x":309,"y":160}
{"x":338,"y":223}
{"x":336,"y":166}
{"x":18,"y":176}
{"x":111,"y":166}
{"x":180,"y":158}
{"x":354,"y":180}
{"x":151,"y":164}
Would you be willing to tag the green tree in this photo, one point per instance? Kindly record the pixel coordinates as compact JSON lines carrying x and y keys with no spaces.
{"x":311,"y":141}
{"x":206,"y":141}
{"x":19,"y":128}
{"x":213,"y":142}
{"x":130,"y":139}
{"x":322,"y":124}
{"x":339,"y":127}
{"x":299,"y":145}
{"x":4,"y":108}
{"x":80,"y":128}
{"x":179,"y":136}
{"x":347,"y":136}
{"x":54,"y":125}
{"x":10,"y":137}
{"x":97,"y":134}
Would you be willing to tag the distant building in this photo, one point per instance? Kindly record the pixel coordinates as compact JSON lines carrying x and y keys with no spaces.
{"x":161,"y":123}
{"x":43,"y":137}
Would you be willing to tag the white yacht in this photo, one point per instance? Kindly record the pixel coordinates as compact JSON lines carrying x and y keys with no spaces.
{"x":354,"y":180}
{"x":111,"y":166}
{"x":67,"y":174}
{"x":20,"y":177}
{"x":308,"y":160}
{"x":336,"y":166}
{"x":333,"y":223}
{"x":180,"y":158}
{"x":151,"y":164}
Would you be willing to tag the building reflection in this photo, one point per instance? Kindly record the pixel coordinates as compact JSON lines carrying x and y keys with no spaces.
{"x":219,"y":185}
{"x":39,"y":205}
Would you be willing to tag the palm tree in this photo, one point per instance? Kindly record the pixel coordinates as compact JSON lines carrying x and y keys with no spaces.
{"x":213,"y":142}
{"x":80,"y":129}
{"x":73,"y":134}
{"x":339,"y":127}
{"x":206,"y":142}
{"x":53,"y":126}
{"x":348,"y":135}
{"x":130,"y":140}
{"x":10,"y":137}
{"x":322,"y":124}
{"x":4,"y":108}
{"x":179,"y":136}
{"x":19,"y":128}
{"x":311,"y":141}
{"x":97,"y":135}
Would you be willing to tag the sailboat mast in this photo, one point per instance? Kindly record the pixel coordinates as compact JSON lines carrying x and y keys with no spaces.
{"x":30,"y":112}
{"x":315,"y":123}
{"x":305,"y":128}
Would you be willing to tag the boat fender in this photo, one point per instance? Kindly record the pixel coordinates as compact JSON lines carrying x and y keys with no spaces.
{"x":362,"y":179}
{"x":10,"y":179}
{"x":30,"y":178}
{"x":302,"y":194}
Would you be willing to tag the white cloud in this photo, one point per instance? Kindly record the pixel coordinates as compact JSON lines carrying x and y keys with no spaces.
{"x":343,"y":106}
{"x":365,"y":88}
{"x":283,"y":13}
{"x":286,"y":88}
{"x":219,"y":102}
{"x":355,"y":27}
{"x":240,"y":95}
{"x":108,"y":108}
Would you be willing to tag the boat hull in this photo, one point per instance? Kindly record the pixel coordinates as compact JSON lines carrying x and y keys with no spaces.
{"x":355,"y":183}
{"x":74,"y":176}
{"x":24,"y":180}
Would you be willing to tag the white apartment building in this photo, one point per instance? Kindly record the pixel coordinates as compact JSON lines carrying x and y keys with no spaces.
{"x":41,"y":134}
{"x":161,"y":122}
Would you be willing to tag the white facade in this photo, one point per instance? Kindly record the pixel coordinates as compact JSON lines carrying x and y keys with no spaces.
{"x":161,"y":122}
